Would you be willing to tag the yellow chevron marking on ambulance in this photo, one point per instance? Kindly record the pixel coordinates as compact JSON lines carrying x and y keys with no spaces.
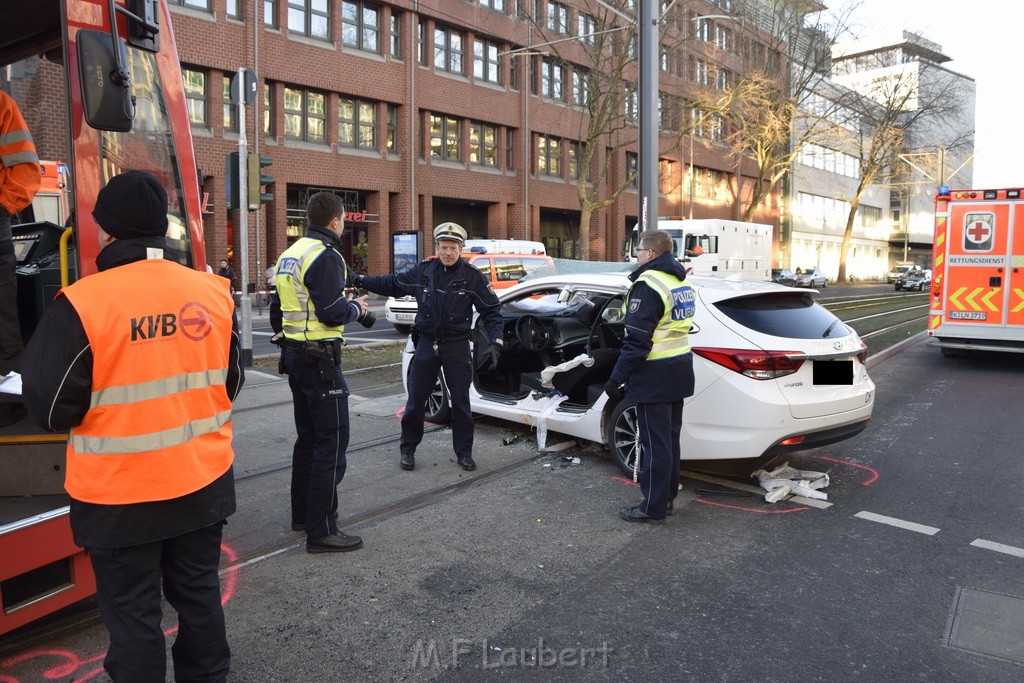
{"x":953,"y":298}
{"x":1018,"y":261}
{"x":970,"y":298}
{"x":939,"y":260}
{"x":941,"y":239}
{"x":1019,"y":307}
{"x":985,"y":300}
{"x":937,"y":320}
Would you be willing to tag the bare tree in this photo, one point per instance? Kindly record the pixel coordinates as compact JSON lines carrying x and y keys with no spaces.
{"x":920,"y":100}
{"x":773,"y":109}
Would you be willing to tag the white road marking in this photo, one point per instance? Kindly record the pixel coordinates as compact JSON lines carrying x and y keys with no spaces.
{"x":902,"y":524}
{"x":998,"y":547}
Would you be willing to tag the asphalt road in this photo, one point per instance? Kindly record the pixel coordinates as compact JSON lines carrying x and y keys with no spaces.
{"x":913,"y":571}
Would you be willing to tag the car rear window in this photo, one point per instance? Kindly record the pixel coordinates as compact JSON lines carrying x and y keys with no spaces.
{"x":784,"y":314}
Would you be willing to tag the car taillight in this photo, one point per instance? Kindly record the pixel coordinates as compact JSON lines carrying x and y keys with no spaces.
{"x":755,"y":364}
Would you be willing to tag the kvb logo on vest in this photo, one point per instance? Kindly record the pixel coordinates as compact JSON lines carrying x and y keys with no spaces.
{"x":194,"y":321}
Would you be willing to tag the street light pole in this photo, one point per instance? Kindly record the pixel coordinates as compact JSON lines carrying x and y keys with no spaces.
{"x":648,"y":96}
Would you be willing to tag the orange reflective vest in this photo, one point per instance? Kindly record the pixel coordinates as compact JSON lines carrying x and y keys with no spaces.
{"x":159,"y":419}
{"x":20,"y":175}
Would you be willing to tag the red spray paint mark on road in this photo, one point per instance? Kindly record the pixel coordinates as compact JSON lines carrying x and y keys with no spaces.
{"x":874,"y":473}
{"x":624,"y":481}
{"x":72,"y":666}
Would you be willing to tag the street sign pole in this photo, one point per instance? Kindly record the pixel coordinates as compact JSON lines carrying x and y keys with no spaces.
{"x":244,"y":301}
{"x":648,"y":96}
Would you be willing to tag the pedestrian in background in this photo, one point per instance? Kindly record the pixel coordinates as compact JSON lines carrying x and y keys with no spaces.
{"x":141,"y":362}
{"x":447,"y":289}
{"x":310,"y":311}
{"x":659,"y":311}
{"x":226,"y":271}
{"x":20,"y":178}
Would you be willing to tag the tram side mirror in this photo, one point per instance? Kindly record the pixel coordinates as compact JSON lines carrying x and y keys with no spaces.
{"x":107,"y":100}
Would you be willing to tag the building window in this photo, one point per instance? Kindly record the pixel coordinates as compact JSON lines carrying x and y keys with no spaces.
{"x":722,"y":80}
{"x":268,"y":110}
{"x":508,"y":148}
{"x":230,"y":109}
{"x":558,"y":18}
{"x":496,"y":5}
{"x":632,"y":168}
{"x":305,"y":115}
{"x":580,"y":88}
{"x":195,"y":96}
{"x":270,"y":13}
{"x":448,"y":50}
{"x":723,"y":38}
{"x":632,"y":104}
{"x":309,"y":18}
{"x":585,"y":28}
{"x":663,"y":59}
{"x":357,"y":123}
{"x":702,"y":29}
{"x":196,"y":4}
{"x":396,"y":35}
{"x":231,"y":9}
{"x":445,"y":138}
{"x":701,"y":73}
{"x":486,"y":64}
{"x":483,"y":144}
{"x":392,"y":142}
{"x":549,"y":155}
{"x":421,"y":44}
{"x":576,"y":172}
{"x":360,"y":26}
{"x":552,"y":78}
{"x":513,"y":72}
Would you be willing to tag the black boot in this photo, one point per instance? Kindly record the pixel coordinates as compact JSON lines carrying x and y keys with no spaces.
{"x":408,"y":461}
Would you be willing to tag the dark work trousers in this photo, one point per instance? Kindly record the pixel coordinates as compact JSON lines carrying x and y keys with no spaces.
{"x":455,"y":358}
{"x":318,"y":457}
{"x":659,"y":425}
{"x":128,"y":586}
{"x":10,"y":333}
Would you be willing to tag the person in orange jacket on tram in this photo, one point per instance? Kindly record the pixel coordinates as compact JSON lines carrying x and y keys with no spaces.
{"x":141,"y":362}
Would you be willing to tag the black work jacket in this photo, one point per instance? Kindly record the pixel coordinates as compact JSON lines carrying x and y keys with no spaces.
{"x":57,"y":377}
{"x":444,"y":312}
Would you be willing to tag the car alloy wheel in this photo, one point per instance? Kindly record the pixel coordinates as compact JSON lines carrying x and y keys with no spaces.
{"x":438,"y":408}
{"x":621,"y":436}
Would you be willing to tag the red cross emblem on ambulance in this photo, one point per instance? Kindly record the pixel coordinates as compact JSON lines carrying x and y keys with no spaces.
{"x":978,"y":236}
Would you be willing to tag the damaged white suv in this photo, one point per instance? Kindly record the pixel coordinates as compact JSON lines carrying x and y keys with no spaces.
{"x":775,"y":371}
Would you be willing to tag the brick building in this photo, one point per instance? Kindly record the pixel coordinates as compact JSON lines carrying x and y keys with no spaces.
{"x":416,"y":113}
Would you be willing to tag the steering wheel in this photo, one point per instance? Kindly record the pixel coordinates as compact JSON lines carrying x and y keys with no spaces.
{"x":532,"y":333}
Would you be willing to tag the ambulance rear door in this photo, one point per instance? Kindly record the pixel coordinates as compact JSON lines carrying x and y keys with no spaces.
{"x":976,"y":287}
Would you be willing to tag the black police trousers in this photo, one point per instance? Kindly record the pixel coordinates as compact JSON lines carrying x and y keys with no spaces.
{"x":128,"y":587}
{"x":455,"y":359}
{"x":322,"y":433}
{"x":659,"y":425}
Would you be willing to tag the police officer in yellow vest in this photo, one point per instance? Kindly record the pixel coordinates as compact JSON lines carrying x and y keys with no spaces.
{"x":141,"y":362}
{"x":311,"y":310}
{"x":655,"y":370}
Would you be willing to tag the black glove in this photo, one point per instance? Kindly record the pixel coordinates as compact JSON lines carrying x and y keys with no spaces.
{"x":494,"y":353}
{"x":356,"y":280}
{"x":614,"y":389}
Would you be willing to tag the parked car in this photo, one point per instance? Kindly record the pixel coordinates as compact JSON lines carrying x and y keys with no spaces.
{"x":503,"y":270}
{"x":899,"y":270}
{"x":775,"y":371}
{"x":784,"y":276}
{"x":811,"y":277}
{"x":914,"y":279}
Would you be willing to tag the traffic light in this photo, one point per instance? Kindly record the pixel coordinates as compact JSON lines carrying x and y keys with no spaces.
{"x":231,"y":180}
{"x":257,"y":180}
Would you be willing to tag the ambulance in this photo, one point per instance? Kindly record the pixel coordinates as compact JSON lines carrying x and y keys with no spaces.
{"x":977,"y":290}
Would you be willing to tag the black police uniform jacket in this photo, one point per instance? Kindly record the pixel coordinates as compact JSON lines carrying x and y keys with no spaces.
{"x":58,"y":389}
{"x":445,"y":298}
{"x":663,"y":380}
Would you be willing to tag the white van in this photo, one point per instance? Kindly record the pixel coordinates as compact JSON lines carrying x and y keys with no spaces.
{"x":504,"y":247}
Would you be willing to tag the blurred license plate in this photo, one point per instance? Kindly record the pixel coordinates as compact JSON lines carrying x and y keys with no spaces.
{"x":405,"y":316}
{"x":833,"y":372}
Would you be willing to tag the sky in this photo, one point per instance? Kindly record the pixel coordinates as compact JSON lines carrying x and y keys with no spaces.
{"x":985,"y":39}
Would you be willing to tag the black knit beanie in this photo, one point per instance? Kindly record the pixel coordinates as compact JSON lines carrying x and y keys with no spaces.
{"x":133,"y":204}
